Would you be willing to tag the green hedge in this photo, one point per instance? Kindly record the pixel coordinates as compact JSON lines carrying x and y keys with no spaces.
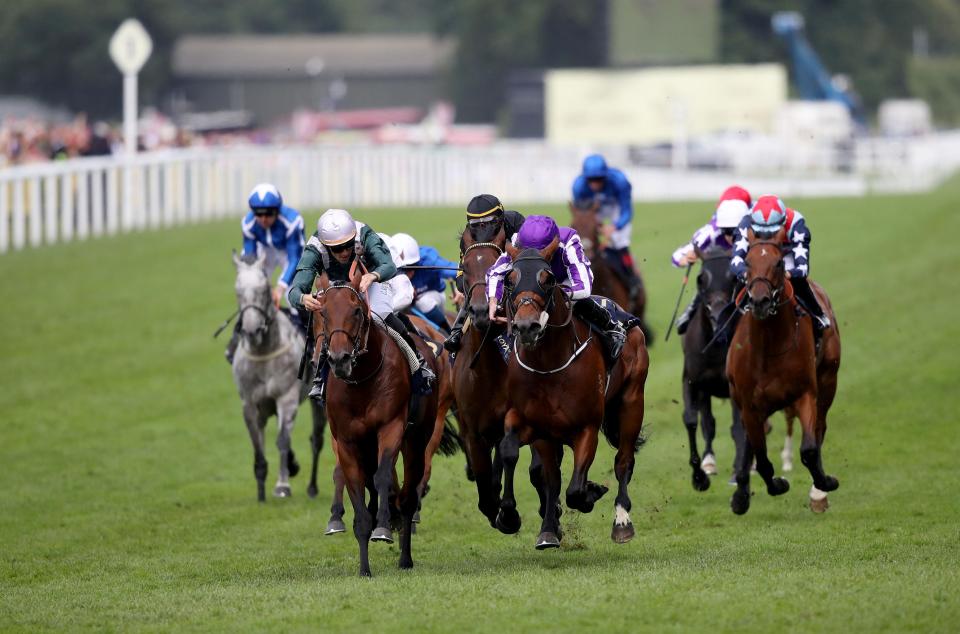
{"x":937,"y":80}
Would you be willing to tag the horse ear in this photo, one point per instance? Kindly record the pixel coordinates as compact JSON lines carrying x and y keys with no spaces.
{"x":355,"y":274}
{"x":512,"y":251}
{"x":781,"y":235}
{"x":547,"y":252}
{"x":262,"y":257}
{"x":236,"y":258}
{"x":751,"y":235}
{"x":323,"y":282}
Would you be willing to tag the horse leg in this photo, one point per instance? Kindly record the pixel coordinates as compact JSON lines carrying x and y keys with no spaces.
{"x":709,"y":426}
{"x":255,"y":424}
{"x":286,"y":416}
{"x":700,"y":480}
{"x":810,"y":455}
{"x":739,"y":436}
{"x":478,"y":456}
{"x":414,"y":459}
{"x":757,"y":434}
{"x":508,"y":520}
{"x":786,"y":455}
{"x":631,"y":424}
{"x":550,"y":534}
{"x":740,"y":502}
{"x":582,"y":494}
{"x":355,"y":478}
{"x":433,"y":444}
{"x":316,"y":445}
{"x":335,"y":523}
{"x":388,"y":440}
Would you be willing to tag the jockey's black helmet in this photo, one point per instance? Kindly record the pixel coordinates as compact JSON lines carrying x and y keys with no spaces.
{"x":483,"y":208}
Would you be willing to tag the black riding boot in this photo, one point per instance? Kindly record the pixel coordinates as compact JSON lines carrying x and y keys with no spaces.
{"x":684,"y":320}
{"x":424,"y":377}
{"x":233,"y":343}
{"x":622,"y":262}
{"x":612,"y":333}
{"x":318,"y":389}
{"x":452,"y":343}
{"x":808,"y":300}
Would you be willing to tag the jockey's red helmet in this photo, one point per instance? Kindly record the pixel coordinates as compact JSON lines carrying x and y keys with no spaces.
{"x":767,"y":215}
{"x":735,"y":192}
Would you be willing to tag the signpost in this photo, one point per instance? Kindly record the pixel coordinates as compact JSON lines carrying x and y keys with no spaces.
{"x":130,"y":48}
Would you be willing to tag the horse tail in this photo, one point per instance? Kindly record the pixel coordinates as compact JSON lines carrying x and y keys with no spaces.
{"x":611,"y":428}
{"x":450,"y":439}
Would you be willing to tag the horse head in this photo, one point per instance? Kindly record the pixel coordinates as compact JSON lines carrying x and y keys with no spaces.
{"x":252,"y":286}
{"x":531,"y":290}
{"x":345,"y":322}
{"x":715,"y":282}
{"x":479,"y":250}
{"x":766,"y":276}
{"x":585,"y":221}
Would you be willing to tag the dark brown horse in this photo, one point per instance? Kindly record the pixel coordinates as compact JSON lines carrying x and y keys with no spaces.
{"x":368,"y":407}
{"x":774,"y":364}
{"x":606,"y":282}
{"x":560,"y":394}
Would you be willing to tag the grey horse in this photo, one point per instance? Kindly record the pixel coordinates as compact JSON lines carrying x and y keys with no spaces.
{"x":265,"y":370}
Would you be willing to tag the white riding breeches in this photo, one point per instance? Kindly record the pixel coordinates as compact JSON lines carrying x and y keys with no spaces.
{"x":429,"y":300}
{"x":402,"y":291}
{"x":381,"y":299}
{"x":621,"y":237}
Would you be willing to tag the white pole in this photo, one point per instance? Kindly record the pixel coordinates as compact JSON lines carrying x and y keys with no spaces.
{"x":130,"y":144}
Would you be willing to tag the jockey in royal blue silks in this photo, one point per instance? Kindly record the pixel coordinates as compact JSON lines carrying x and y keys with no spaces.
{"x":720,"y":233}
{"x":428,"y":284}
{"x":767,"y":216}
{"x":571,"y":270}
{"x":275,"y":231}
{"x":610,"y":188}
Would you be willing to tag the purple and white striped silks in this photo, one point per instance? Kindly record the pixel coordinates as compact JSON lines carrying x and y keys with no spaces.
{"x":570,"y":267}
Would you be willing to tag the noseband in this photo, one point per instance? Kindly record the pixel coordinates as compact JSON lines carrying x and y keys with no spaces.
{"x":268,"y":319}
{"x":363,"y":329}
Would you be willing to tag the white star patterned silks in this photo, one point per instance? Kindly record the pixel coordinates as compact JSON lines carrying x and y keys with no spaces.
{"x":743,"y":233}
{"x":799,"y":236}
{"x":736,"y":261}
{"x":800,"y":252}
{"x":803,"y":268}
{"x":742,"y":244}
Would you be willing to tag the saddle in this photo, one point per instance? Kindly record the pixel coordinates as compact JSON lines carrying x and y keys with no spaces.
{"x":617,"y":313}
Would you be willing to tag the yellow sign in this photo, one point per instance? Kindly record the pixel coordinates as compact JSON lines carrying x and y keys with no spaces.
{"x":654,"y":105}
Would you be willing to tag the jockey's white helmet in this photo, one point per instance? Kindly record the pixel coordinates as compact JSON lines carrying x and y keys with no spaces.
{"x":408,"y":248}
{"x":336,"y":226}
{"x":730,"y":213}
{"x":391,"y":245}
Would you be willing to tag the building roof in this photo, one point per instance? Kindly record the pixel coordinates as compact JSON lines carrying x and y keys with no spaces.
{"x":229,"y":56}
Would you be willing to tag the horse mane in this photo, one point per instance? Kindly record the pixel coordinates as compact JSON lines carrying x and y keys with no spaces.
{"x":249,"y":258}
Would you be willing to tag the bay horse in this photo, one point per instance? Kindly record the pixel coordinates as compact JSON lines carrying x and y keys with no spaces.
{"x":368,"y":409}
{"x":559,"y":393}
{"x":774,"y":363}
{"x":443,"y":439}
{"x":606,"y":282}
{"x":704,"y":364}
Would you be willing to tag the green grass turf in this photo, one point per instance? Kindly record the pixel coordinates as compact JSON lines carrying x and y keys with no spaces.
{"x":127,"y":499}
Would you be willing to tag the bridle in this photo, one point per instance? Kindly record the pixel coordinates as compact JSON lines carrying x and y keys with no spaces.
{"x":775,"y":291}
{"x":362,"y":335}
{"x":478,"y":245}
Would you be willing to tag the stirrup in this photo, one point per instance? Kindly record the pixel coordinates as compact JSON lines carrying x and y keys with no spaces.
{"x":317,"y":391}
{"x":616,"y":338}
{"x":452,"y":343}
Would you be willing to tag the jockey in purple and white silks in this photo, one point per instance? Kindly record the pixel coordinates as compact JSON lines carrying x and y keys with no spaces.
{"x":571,"y":270}
{"x":719,"y":233}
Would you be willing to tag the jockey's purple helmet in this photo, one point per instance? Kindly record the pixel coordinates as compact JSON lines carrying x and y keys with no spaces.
{"x":537,"y":232}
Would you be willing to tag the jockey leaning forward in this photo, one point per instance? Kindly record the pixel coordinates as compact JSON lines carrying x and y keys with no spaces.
{"x":720,"y":233}
{"x":767,"y":216}
{"x":610,"y":188}
{"x":276,"y":231}
{"x":338,"y":241}
{"x":485,"y":217}
{"x":570,"y":268}
{"x":428,"y":284}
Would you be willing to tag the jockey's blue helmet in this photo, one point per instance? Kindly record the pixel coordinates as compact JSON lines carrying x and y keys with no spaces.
{"x":265,"y":196}
{"x":594,"y":166}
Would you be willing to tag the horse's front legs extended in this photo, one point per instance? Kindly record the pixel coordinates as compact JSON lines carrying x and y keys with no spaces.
{"x":581,"y":493}
{"x":316,"y":445}
{"x":701,"y":482}
{"x":550,"y":534}
{"x":388,"y":440}
{"x":255,"y":424}
{"x":508,"y":520}
{"x":286,"y":417}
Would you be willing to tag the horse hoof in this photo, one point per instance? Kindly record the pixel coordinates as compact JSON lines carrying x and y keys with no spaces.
{"x":786,"y":464}
{"x":622,"y":534}
{"x":311,"y":491}
{"x":416,"y":517}
{"x":508,"y":521}
{"x":709,"y":465}
{"x":282,"y":491}
{"x":546,"y":539}
{"x":701,"y":482}
{"x":596,"y":491}
{"x":778,"y":486}
{"x":740,"y":502}
{"x":829,"y":484}
{"x":819,"y":506}
{"x":334,"y":527}
{"x":406,"y":564}
{"x":293,"y":468}
{"x":382,"y":534}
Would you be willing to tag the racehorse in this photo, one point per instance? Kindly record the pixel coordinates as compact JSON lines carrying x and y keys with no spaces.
{"x":265,"y":371}
{"x":443,"y":439}
{"x":606,"y":282}
{"x":704,"y":364}
{"x":774,"y":363}
{"x":559,"y":393}
{"x":368,"y":408}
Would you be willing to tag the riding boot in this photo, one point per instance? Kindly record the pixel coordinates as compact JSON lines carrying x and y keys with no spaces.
{"x":233,"y":343}
{"x":684,"y":320}
{"x":424,"y":377}
{"x":318,"y":389}
{"x":611,"y":332}
{"x":803,"y":292}
{"x":452,"y":343}
{"x":621,"y":262}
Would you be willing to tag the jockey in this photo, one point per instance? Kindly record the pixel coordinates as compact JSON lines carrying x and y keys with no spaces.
{"x":571,"y":268}
{"x":767,"y":216}
{"x":275,"y":230}
{"x":734,"y":204}
{"x":400,"y":287}
{"x":485,"y":217}
{"x":340,"y":239}
{"x":428,"y":285}
{"x":611,"y":189}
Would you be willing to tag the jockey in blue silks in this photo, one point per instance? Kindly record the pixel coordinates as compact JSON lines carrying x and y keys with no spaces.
{"x":571,"y":270}
{"x":610,"y":188}
{"x":428,"y":285}
{"x":276,"y":231}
